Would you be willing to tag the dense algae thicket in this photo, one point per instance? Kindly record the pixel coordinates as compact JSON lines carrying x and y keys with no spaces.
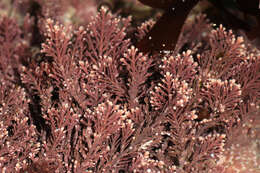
{"x":97,"y":94}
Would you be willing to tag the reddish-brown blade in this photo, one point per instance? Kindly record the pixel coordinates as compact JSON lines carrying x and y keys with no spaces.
{"x":165,"y":33}
{"x":162,"y":4}
{"x":250,"y":6}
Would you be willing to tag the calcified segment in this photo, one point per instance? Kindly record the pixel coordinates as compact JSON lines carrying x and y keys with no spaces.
{"x":181,"y":66}
{"x":137,"y":65}
{"x":144,"y":29}
{"x":177,"y":93}
{"x":229,"y":96}
{"x":175,"y":88}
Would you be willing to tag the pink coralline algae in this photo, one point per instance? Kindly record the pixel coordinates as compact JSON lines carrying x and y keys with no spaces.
{"x":88,"y":100}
